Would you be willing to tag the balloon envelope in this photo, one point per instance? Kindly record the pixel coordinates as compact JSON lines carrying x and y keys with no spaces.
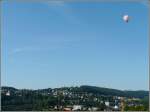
{"x":126,"y":18}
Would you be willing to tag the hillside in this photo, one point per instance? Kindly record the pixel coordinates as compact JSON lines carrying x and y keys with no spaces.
{"x":87,"y":97}
{"x":89,"y":89}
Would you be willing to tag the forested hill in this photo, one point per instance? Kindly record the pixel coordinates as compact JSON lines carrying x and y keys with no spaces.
{"x":115,"y":92}
{"x":88,"y":89}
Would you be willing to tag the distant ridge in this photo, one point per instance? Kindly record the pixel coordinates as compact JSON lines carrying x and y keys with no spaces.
{"x":92,"y":89}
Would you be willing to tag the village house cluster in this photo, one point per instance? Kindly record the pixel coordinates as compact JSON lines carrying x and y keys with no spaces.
{"x":69,"y":100}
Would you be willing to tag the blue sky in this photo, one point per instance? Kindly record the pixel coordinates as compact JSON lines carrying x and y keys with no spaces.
{"x":55,"y":44}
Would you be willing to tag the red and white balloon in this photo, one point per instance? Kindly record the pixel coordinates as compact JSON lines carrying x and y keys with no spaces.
{"x":126,"y":18}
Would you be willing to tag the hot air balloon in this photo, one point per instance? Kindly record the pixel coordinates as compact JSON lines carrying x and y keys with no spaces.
{"x":126,"y":18}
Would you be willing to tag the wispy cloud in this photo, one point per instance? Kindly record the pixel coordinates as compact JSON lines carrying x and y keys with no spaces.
{"x":62,"y":8}
{"x":22,"y":50}
{"x":55,"y":3}
{"x":145,"y":2}
{"x":54,"y":45}
{"x":50,"y":45}
{"x":16,"y":50}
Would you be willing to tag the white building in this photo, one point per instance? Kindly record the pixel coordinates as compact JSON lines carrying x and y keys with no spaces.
{"x":119,"y":98}
{"x":107,"y":103}
{"x":95,"y":99}
{"x":116,"y":107}
{"x":77,"y":107}
{"x":89,"y":109}
{"x":8,"y":93}
{"x":101,"y":102}
{"x":94,"y":108}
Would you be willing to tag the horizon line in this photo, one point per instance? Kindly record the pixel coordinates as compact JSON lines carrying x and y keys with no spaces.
{"x":75,"y":86}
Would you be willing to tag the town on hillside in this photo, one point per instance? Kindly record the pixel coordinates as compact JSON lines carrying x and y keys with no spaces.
{"x":84,"y":98}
